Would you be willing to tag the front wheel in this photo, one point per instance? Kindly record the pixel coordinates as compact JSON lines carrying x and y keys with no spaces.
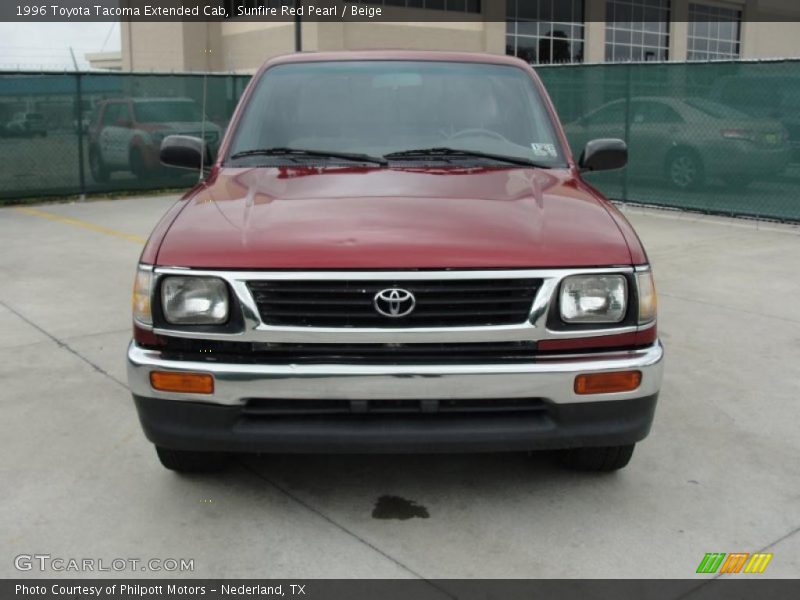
{"x":138,"y":166}
{"x":685,"y":170}
{"x":600,"y":459}
{"x":97,"y":167}
{"x":186,"y":461}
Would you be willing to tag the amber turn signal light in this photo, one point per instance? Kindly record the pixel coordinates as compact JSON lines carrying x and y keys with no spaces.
{"x":608,"y":383}
{"x":184,"y":383}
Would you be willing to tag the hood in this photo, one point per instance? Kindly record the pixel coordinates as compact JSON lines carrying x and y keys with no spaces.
{"x":371,"y":218}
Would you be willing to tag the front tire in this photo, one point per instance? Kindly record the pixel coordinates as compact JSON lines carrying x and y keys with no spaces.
{"x":138,"y":166}
{"x":685,"y":170}
{"x":185,"y":461}
{"x":600,"y":459}
{"x":97,"y":167}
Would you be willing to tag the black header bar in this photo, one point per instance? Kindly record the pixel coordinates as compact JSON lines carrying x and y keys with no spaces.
{"x":324,"y":10}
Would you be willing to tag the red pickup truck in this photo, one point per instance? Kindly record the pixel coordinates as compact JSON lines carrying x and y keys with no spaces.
{"x":394,"y":252}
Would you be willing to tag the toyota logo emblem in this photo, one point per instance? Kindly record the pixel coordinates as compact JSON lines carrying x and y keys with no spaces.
{"x":394,"y":302}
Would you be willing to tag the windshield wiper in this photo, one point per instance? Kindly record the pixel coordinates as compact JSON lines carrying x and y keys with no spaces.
{"x":455,"y":152}
{"x":300,"y":153}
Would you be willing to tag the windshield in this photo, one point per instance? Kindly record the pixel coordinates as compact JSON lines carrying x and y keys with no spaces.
{"x":165,"y":111}
{"x":384,"y":107}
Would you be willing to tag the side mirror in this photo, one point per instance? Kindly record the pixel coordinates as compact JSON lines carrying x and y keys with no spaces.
{"x":123,"y":122}
{"x":185,"y":152}
{"x":604,"y":155}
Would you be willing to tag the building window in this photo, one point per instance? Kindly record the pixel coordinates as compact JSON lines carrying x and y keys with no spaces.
{"x":545,"y":31}
{"x":470,"y":6}
{"x":714,"y":32}
{"x":637,"y":30}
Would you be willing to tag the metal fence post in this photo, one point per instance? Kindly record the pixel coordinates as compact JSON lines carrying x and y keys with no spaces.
{"x":627,"y":127}
{"x":79,"y":124}
{"x":233,"y":99}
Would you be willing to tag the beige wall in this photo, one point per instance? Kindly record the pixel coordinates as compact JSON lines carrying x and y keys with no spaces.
{"x":104,"y":60}
{"x":594,"y":34}
{"x":679,"y":30}
{"x":772,"y":40}
{"x":169,"y":46}
{"x":245,"y":46}
{"x":468,"y":37}
{"x":152,"y":46}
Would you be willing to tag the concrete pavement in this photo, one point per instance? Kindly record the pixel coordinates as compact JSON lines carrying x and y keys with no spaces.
{"x":719,"y":472}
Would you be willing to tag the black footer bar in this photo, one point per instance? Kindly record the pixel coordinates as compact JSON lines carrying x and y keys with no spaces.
{"x":749,"y":587}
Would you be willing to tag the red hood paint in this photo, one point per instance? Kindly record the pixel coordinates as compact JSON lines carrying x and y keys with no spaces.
{"x":395,"y":218}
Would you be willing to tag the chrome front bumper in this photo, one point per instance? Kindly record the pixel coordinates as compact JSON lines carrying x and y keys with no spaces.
{"x":550,"y":379}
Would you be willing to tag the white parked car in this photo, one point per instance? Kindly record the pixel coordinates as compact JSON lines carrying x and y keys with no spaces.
{"x":25,"y":124}
{"x":126,"y":133}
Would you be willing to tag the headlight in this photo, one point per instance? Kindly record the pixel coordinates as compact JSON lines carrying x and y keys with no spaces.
{"x":194,"y":300}
{"x":594,"y":298}
{"x":142,"y":287}
{"x":647,"y":296}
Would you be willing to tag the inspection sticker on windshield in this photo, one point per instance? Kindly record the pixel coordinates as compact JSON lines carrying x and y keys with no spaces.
{"x":544,"y":150}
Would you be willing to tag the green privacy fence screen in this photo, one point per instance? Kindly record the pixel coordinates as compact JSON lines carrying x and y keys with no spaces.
{"x":721,"y":137}
{"x":89,"y":133}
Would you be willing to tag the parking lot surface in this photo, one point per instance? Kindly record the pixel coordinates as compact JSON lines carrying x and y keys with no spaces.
{"x":719,"y":472}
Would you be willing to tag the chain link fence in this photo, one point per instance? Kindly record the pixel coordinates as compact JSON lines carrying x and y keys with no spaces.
{"x":718,"y":137}
{"x":93,"y":133}
{"x":721,"y":137}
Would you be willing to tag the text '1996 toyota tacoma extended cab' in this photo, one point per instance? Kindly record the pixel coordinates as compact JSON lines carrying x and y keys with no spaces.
{"x":394,"y":252}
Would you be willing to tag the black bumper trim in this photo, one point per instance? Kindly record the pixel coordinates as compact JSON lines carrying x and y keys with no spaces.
{"x":195,"y":426}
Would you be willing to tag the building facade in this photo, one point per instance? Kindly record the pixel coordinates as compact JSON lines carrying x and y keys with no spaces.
{"x":109,"y":61}
{"x":540,"y":31}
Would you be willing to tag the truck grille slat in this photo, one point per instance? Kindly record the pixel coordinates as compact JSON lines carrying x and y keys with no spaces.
{"x":385,"y":354}
{"x":275,"y":407}
{"x":363,"y":303}
{"x":308,"y":312}
{"x":349,"y":303}
{"x":349,"y":287}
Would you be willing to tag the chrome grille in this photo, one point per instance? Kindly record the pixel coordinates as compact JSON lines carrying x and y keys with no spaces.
{"x":439,"y":303}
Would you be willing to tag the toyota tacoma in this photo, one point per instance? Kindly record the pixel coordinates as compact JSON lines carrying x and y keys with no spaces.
{"x":394,"y":252}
